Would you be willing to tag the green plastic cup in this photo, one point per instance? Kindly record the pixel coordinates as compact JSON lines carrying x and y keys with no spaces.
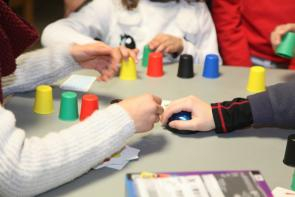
{"x":68,"y":110}
{"x":145,"y":57}
{"x":293,"y":182}
{"x":287,"y":46}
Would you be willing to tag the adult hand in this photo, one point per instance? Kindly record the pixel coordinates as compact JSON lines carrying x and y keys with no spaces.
{"x":122,"y":52}
{"x":98,"y":56}
{"x":101,"y":57}
{"x":202,"y":117}
{"x":72,"y":5}
{"x":279,"y":32}
{"x":145,"y":111}
{"x":166,"y":43}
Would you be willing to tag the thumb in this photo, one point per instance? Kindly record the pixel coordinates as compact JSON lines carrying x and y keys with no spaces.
{"x":191,"y":125}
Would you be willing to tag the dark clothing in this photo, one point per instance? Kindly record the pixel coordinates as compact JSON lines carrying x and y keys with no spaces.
{"x":275,"y":107}
{"x":15,"y":36}
{"x":231,"y":115}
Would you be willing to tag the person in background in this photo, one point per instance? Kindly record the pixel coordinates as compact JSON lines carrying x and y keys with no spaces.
{"x":279,"y":32}
{"x":30,"y":166}
{"x":244,"y":27}
{"x":73,"y":6}
{"x":173,"y":27}
{"x":275,"y":107}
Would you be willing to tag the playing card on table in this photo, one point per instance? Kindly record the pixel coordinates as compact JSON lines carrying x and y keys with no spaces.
{"x":120,"y":159}
{"x":282,"y":192}
{"x":80,"y":83}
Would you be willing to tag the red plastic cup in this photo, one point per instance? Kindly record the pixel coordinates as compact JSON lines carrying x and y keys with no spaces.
{"x":155,"y":65}
{"x":89,"y":105}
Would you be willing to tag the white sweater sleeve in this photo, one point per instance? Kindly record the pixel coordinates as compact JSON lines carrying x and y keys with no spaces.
{"x":81,"y":27}
{"x":32,"y":166}
{"x":42,"y":66}
{"x":204,"y":40}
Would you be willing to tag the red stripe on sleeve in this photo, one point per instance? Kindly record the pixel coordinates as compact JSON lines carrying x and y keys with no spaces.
{"x":221,"y":118}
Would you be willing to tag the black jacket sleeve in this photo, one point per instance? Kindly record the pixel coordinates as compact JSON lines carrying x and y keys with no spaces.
{"x":275,"y":107}
{"x":231,"y":115}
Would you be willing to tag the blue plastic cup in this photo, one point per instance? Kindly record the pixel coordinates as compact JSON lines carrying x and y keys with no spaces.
{"x":211,"y":66}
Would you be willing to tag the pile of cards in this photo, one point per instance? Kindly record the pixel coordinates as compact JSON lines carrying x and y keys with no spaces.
{"x":119,"y":160}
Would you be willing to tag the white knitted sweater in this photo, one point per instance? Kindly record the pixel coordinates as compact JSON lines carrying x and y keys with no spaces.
{"x":29,"y":166}
{"x":108,"y":20}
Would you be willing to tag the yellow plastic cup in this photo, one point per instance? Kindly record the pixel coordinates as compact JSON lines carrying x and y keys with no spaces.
{"x":43,"y":100}
{"x":128,"y":70}
{"x":256,"y":82}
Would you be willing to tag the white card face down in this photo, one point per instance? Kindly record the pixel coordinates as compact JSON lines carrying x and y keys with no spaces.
{"x":80,"y":83}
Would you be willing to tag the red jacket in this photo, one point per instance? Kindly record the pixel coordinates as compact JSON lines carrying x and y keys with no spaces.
{"x":244,"y":27}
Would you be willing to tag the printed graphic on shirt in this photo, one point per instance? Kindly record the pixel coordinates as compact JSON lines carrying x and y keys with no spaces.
{"x":128,"y":41}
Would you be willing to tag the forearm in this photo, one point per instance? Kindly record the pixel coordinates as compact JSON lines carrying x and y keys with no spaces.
{"x":64,"y":31}
{"x":42,"y":66}
{"x":32,"y":166}
{"x":231,"y":115}
{"x":275,"y":107}
{"x":81,"y":27}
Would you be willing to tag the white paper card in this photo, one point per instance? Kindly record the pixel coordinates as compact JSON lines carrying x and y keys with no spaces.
{"x":80,"y":83}
{"x":282,"y":192}
{"x":121,"y":159}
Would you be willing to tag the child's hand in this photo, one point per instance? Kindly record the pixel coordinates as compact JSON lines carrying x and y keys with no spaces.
{"x":101,"y":57}
{"x":144,"y":116}
{"x":202,"y":117}
{"x":122,"y":52}
{"x":166,"y":43}
{"x":279,"y":32}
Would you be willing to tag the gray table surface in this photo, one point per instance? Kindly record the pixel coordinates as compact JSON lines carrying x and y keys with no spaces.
{"x":251,"y":148}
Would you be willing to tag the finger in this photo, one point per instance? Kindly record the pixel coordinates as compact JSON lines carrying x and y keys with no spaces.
{"x":154,"y":44}
{"x":98,"y":50}
{"x":190,"y":125}
{"x":160,"y":48}
{"x":133,"y":55}
{"x":124,"y":52}
{"x":159,"y":110}
{"x":116,"y":58}
{"x":157,"y":119}
{"x":164,"y":44}
{"x":157,"y":99}
{"x":171,"y":46}
{"x":156,"y":41}
{"x":275,"y":40}
{"x":174,"y":107}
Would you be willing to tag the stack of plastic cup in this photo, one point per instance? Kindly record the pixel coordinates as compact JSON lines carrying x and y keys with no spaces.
{"x":155,"y":65}
{"x":256,"y":81}
{"x":88,"y":106}
{"x":43,"y":100}
{"x":287,"y":46}
{"x":145,"y":57}
{"x":68,"y":106}
{"x":211,"y":66}
{"x":289,"y":158}
{"x":186,"y":66}
{"x":128,"y":70}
